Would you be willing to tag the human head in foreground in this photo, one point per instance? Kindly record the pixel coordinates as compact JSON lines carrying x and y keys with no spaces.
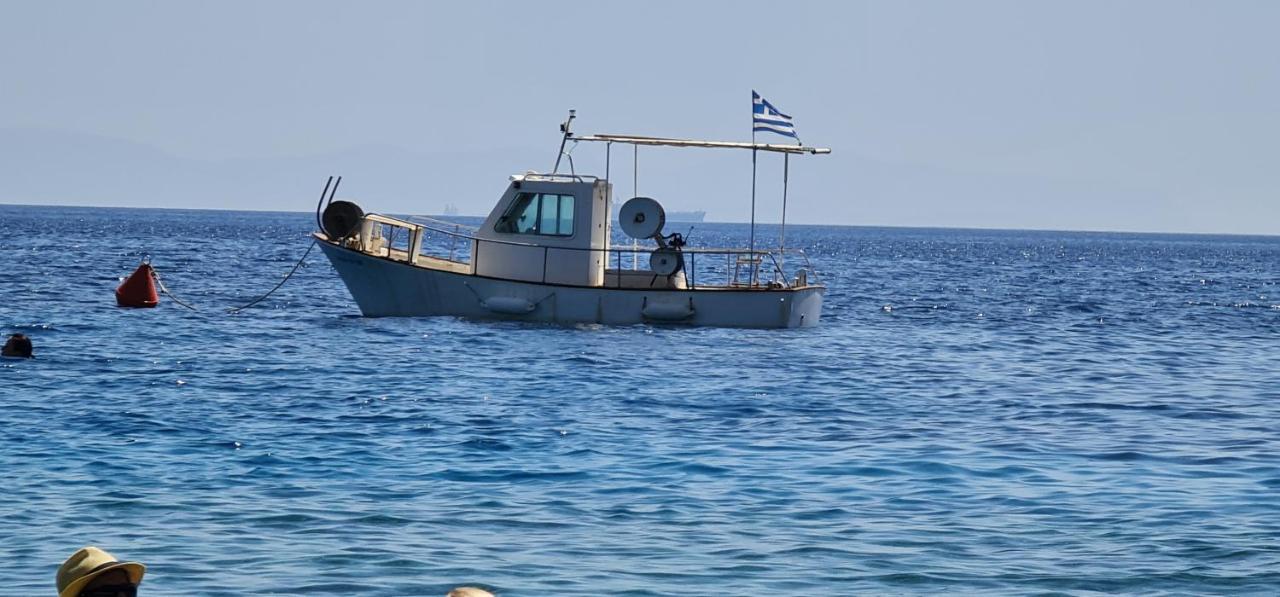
{"x":469,"y":592}
{"x":18,"y":345}
{"x":92,"y":572}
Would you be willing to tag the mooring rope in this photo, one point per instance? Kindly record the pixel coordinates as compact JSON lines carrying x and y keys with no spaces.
{"x":155,"y":274}
{"x":277,"y":287}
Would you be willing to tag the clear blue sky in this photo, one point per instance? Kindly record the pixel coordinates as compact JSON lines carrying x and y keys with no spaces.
{"x":1139,"y":115}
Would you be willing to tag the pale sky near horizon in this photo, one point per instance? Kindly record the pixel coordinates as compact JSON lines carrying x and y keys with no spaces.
{"x":1143,"y":115}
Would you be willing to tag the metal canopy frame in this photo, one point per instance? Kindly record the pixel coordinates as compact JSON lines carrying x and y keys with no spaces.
{"x":639,"y":140}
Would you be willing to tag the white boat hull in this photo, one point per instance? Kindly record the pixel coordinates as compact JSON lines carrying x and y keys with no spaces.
{"x":382,"y":287}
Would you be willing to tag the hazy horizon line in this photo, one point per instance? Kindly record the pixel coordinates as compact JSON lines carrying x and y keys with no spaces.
{"x":758,"y":223}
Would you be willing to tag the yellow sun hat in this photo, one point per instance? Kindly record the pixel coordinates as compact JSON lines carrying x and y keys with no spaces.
{"x":86,"y":564}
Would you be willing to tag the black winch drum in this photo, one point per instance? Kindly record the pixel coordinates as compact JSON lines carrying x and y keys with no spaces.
{"x":341,"y":218}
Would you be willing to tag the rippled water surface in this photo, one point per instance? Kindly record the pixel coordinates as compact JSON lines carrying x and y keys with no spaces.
{"x":979,"y":412}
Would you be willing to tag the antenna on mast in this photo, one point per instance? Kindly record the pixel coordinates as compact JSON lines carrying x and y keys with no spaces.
{"x":564,"y":128}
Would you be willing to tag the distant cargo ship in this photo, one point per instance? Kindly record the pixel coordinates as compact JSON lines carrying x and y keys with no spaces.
{"x":686,"y":217}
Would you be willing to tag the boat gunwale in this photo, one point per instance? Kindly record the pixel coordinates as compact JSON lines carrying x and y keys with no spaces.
{"x":322,"y":238}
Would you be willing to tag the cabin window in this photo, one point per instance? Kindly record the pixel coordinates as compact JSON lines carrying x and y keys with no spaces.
{"x":521,"y":217}
{"x":538,"y":213}
{"x":566,"y":215}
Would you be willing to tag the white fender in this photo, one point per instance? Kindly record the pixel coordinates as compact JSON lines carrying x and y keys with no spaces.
{"x":509,"y":305}
{"x":664,"y":311}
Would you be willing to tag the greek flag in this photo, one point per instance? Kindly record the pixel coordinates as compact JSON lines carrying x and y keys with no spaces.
{"x":765,"y":117}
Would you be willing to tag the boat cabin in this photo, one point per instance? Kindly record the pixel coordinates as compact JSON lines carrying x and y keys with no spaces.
{"x":555,"y":229}
{"x":551,"y":229}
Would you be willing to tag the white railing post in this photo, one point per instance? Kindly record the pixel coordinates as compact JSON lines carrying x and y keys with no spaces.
{"x":415,"y":245}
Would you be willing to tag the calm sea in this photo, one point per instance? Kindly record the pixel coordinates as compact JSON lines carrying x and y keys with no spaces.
{"x":991,"y":412}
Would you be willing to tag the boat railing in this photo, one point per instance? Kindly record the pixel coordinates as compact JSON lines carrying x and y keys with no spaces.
{"x":444,"y":245}
{"x":446,"y":224}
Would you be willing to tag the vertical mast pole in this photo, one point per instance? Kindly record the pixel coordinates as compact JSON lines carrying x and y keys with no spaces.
{"x":608,"y":207}
{"x":635,"y":192}
{"x":782,"y":237}
{"x":752,"y":242}
{"x":564,"y":128}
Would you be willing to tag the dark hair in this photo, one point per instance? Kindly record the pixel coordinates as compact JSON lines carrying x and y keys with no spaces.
{"x":18,"y":346}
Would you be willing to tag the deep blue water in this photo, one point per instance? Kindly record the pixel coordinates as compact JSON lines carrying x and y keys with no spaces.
{"x":979,"y":412}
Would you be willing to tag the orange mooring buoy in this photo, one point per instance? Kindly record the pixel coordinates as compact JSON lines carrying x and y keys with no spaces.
{"x":139,"y":289}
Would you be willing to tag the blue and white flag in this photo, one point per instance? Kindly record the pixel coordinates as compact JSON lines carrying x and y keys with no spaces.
{"x":765,"y":117}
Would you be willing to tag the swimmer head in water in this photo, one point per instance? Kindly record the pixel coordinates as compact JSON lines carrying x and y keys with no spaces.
{"x":18,"y":346}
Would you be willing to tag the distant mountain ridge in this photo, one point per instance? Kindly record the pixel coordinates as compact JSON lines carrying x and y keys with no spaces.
{"x":57,"y":167}
{"x":46,"y":166}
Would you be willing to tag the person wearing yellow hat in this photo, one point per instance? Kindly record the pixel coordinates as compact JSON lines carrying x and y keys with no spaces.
{"x":92,"y":572}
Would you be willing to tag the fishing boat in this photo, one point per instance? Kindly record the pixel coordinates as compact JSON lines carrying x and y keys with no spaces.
{"x":544,"y":254}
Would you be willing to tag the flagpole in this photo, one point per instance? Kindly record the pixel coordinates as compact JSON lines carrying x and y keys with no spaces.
{"x":752,"y":234}
{"x":752,"y":244}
